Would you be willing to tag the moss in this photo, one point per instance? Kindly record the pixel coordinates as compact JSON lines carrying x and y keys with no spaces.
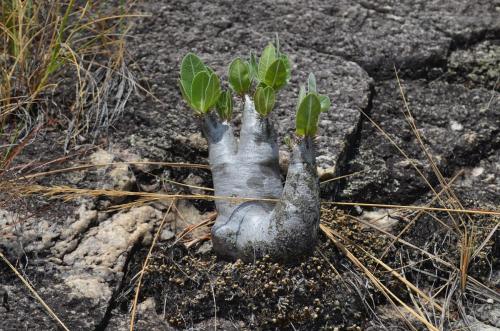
{"x":479,"y":66}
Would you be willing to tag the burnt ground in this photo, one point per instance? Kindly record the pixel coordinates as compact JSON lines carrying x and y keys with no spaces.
{"x":82,"y":256}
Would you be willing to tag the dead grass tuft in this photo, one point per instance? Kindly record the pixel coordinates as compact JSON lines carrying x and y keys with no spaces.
{"x":62,"y":63}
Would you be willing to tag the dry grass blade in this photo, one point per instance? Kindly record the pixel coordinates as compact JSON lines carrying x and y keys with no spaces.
{"x":414,"y":219}
{"x":34,"y":293}
{"x":485,"y":241}
{"x":69,"y":193}
{"x":340,"y":177}
{"x":144,"y":266}
{"x":411,"y":161}
{"x":473,"y":283}
{"x":207,"y":222}
{"x":203,"y":188}
{"x":448,"y":210}
{"x":376,"y":282}
{"x":101,"y":165}
{"x":410,"y":285}
{"x":468,"y":236}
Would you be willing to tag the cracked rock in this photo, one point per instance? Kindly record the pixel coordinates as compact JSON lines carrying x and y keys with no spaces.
{"x":103,"y":248}
{"x":74,"y":229}
{"x":458,"y":126}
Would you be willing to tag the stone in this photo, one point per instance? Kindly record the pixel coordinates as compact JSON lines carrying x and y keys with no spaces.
{"x":205,"y":248}
{"x":489,"y":313}
{"x":438,"y":108}
{"x":115,"y":176}
{"x":481,"y":182}
{"x":195,"y":181}
{"x":186,"y":215}
{"x":104,"y":248}
{"x":384,"y":219}
{"x":166,"y":234}
{"x":446,"y":52}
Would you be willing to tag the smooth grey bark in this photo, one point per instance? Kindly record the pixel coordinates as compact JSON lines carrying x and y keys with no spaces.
{"x":284,"y":230}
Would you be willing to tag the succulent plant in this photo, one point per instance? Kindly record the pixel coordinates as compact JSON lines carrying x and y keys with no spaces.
{"x":275,"y":220}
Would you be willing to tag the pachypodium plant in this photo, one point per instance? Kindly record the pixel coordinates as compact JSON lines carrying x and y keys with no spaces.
{"x":260,"y":216}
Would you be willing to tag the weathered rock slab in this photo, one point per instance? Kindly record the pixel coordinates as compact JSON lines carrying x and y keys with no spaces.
{"x":458,"y":127}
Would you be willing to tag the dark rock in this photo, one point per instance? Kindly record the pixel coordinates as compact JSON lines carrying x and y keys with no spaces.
{"x":146,"y":319}
{"x":458,"y":126}
{"x":482,"y":181}
{"x":26,"y":313}
{"x":412,"y":35}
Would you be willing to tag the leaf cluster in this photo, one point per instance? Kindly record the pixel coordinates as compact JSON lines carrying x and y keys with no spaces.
{"x":201,"y":88}
{"x":309,"y":106}
{"x":200,"y":85}
{"x":272,"y":73}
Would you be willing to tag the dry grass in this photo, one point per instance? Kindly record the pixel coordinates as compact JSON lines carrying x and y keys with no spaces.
{"x":62,"y":63}
{"x":390,"y":296}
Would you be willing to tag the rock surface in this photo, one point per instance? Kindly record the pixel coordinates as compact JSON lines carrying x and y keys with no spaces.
{"x":458,"y":127}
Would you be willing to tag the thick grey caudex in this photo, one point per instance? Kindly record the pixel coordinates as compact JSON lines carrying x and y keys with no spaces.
{"x":261,"y":216}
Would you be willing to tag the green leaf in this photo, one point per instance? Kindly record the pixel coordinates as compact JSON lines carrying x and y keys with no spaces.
{"x":311,"y":83}
{"x":264,"y":99}
{"x":239,"y":76}
{"x":205,"y":91}
{"x":306,"y":122}
{"x":276,"y":75}
{"x":324,"y":100}
{"x":184,"y":95}
{"x":254,"y":69}
{"x":190,"y":66}
{"x":266,"y":59}
{"x":302,"y":94}
{"x":224,"y":105}
{"x":288,"y":66}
